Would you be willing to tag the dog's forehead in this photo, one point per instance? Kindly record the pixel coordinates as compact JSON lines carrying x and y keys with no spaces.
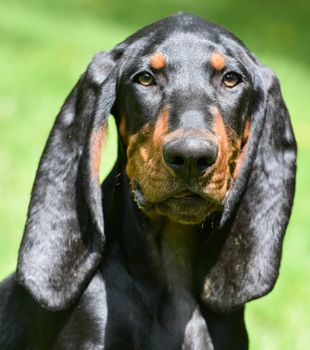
{"x":188,"y":47}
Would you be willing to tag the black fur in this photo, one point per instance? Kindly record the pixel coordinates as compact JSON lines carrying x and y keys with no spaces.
{"x":87,"y":283}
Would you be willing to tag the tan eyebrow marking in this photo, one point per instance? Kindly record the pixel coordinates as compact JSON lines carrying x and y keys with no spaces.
{"x":217,"y":60}
{"x":157,"y":61}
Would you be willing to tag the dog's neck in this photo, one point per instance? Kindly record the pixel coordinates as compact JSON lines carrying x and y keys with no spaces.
{"x":176,"y":251}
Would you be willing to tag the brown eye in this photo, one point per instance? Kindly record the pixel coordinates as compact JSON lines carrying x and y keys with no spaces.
{"x":145,"y":79}
{"x":231,"y":79}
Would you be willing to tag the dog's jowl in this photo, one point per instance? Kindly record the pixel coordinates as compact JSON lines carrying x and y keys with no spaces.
{"x":189,"y":224}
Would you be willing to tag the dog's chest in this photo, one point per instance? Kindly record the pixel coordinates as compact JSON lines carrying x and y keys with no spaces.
{"x":116,"y":313}
{"x":164,"y":315}
{"x":173,"y":322}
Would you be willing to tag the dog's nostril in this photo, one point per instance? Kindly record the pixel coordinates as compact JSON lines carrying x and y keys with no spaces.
{"x":203,"y":163}
{"x":177,"y":161}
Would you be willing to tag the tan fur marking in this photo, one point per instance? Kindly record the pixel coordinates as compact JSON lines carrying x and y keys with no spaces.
{"x":134,"y":150}
{"x":144,"y":157}
{"x":246,"y":132}
{"x":220,"y":175}
{"x":161,"y":127}
{"x":122,"y":130}
{"x":96,"y":142}
{"x":144,"y":153}
{"x":217,"y":61}
{"x":157,"y":61}
{"x":243,"y":150}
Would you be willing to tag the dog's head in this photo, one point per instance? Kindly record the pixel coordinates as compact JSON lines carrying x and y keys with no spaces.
{"x":183,"y":111}
{"x":205,"y":130}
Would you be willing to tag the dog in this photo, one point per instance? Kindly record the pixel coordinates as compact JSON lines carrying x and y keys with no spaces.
{"x":187,"y":227}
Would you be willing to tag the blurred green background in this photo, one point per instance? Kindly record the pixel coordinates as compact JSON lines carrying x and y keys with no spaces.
{"x":44,"y":47}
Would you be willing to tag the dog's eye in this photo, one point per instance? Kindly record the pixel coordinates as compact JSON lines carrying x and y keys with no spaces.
{"x":231,"y":79}
{"x":145,"y":79}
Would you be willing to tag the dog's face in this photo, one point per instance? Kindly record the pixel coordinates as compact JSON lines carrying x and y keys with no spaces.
{"x":183,"y":118}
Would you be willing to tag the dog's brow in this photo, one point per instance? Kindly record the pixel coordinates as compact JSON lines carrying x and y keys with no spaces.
{"x":157,"y":61}
{"x":217,"y":61}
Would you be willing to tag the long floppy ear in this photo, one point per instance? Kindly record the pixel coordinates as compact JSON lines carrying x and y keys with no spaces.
{"x":64,"y":237}
{"x":244,"y":255}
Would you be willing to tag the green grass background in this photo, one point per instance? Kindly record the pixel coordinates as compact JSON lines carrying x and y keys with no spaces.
{"x":44,"y":47}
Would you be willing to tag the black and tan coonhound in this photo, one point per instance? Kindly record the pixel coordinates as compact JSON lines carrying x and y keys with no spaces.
{"x":189,"y":224}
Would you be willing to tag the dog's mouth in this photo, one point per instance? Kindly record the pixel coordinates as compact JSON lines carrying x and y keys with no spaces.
{"x":187,"y":198}
{"x":181,"y":195}
{"x":186,"y":194}
{"x":184,"y":206}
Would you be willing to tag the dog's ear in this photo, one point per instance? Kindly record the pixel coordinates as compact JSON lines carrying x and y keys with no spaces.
{"x":244,"y":255}
{"x":64,"y":234}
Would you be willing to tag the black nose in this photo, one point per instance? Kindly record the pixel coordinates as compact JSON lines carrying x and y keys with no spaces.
{"x":189,"y":156}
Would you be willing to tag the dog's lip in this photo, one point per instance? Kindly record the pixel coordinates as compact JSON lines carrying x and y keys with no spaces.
{"x":185,"y":194}
{"x":182,"y":194}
